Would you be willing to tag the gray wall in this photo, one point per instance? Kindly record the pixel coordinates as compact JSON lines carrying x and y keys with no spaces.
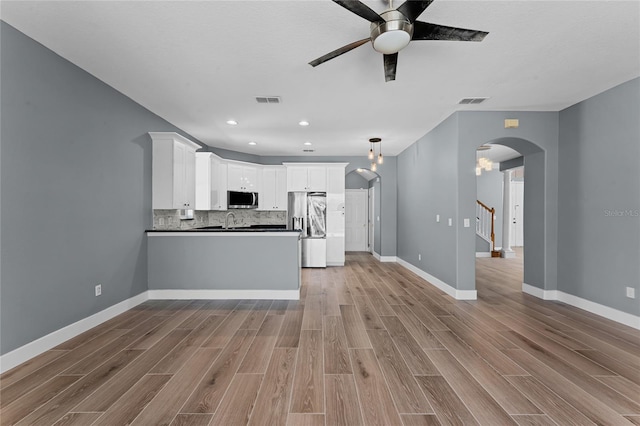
{"x":598,"y":249}
{"x":427,"y":186}
{"x":489,"y":191}
{"x":436,"y":175}
{"x":76,"y":192}
{"x":387,"y":192}
{"x":353,"y":180}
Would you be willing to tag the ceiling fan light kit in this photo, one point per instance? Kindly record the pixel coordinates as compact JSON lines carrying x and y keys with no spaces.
{"x":392,"y":30}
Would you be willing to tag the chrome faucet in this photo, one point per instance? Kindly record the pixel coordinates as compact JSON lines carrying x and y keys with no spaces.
{"x":226,"y":220}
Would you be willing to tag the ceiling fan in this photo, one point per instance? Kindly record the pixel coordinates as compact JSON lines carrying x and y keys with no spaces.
{"x":393,"y":29}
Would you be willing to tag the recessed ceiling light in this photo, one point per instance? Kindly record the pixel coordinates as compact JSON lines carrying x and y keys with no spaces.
{"x":232,"y":122}
{"x":308,"y":143}
{"x":304,"y":123}
{"x":253,"y":143}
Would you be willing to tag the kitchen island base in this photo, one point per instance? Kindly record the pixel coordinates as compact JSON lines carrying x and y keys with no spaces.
{"x":224,"y":265}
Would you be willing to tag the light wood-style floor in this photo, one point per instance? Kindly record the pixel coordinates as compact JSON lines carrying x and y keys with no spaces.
{"x":370,"y":343}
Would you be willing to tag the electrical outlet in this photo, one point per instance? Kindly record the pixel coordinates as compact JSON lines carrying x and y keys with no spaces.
{"x":437,"y":218}
{"x":466,"y":222}
{"x":419,"y":256}
{"x":98,"y":290}
{"x":450,"y":222}
{"x":631,"y":292}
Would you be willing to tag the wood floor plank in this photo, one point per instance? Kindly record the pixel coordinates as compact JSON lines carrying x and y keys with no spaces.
{"x":184,"y":350}
{"x":26,"y":368}
{"x":483,"y":407}
{"x":308,"y":381}
{"x":418,"y":330}
{"x":591,"y":407}
{"x":192,"y":420}
{"x":160,"y":332}
{"x":420,"y":420}
{"x":35,"y":379}
{"x":373,"y":392}
{"x":445,"y":402}
{"x":238,"y":402}
{"x":368,"y":315}
{"x":221,"y":336}
{"x":533,"y":420}
{"x":342,"y":401}
{"x":111,"y":391}
{"x":58,"y":406}
{"x":78,"y":419}
{"x":133,"y":401}
{"x":500,"y":389}
{"x":336,"y":352}
{"x":550,"y":403}
{"x":354,"y":328}
{"x":289,"y":336}
{"x":605,"y":347}
{"x":423,"y":314}
{"x":209,"y":391}
{"x":482,"y":346}
{"x":257,"y":315}
{"x":272,"y":402}
{"x":330,"y":303}
{"x":404,"y":389}
{"x":414,"y":356}
{"x":635,"y":420}
{"x":312,"y":317}
{"x":622,"y":386}
{"x":559,"y":364}
{"x":164,"y":407}
{"x":379,"y":303}
{"x":259,"y":353}
{"x":297,"y":419}
{"x":278,"y":307}
{"x":20,"y":408}
{"x":630,"y":372}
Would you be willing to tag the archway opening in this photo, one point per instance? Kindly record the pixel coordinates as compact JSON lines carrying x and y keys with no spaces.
{"x":517,"y":254}
{"x":362,"y":211}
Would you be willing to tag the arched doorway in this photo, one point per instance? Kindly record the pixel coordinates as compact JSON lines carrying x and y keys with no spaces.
{"x":362,"y":210}
{"x":534,"y":215}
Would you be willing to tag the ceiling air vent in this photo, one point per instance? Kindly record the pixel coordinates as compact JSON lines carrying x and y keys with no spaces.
{"x":268,"y":99}
{"x":468,"y":101}
{"x":308,"y":150}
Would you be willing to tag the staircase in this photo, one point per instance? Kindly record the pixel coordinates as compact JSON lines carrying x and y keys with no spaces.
{"x":485,"y":222}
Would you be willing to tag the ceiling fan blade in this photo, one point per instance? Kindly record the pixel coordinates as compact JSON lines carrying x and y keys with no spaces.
{"x":390,"y":65}
{"x":412,"y":9}
{"x":426,"y":31}
{"x":360,"y":9}
{"x":338,"y":52}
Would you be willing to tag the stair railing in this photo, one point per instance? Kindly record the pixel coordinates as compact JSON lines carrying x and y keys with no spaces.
{"x":485,"y":219}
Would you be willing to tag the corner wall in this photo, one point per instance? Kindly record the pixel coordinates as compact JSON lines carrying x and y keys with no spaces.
{"x":76,"y":192}
{"x":599,"y":198}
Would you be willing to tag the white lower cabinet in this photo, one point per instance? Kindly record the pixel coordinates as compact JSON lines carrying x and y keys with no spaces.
{"x":211,"y":182}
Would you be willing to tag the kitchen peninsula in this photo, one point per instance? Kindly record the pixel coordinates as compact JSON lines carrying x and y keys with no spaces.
{"x":246,"y":263}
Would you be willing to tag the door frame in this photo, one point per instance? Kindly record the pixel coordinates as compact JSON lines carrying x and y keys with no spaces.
{"x":366,"y":211}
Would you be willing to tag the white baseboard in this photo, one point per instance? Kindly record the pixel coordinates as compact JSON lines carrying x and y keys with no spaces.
{"x":51,"y":340}
{"x":376,"y":256}
{"x":483,"y":254}
{"x":587,"y":305}
{"x":388,"y":259}
{"x":450,"y":290}
{"x":225,"y":294}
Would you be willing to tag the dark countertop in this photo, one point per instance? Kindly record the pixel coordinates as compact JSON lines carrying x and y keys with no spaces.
{"x":252,"y":228}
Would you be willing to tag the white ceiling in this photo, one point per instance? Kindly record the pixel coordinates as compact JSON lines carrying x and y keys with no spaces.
{"x":200,"y":63}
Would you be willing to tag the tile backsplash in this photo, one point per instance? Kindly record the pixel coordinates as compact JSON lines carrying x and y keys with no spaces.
{"x":170,"y":219}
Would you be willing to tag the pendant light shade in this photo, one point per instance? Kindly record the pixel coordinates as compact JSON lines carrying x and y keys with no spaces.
{"x":371,"y":154}
{"x":374,"y":167}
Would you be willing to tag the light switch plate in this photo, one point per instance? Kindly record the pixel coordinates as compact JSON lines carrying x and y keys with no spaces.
{"x":450,"y":222}
{"x":631,"y":292}
{"x":437,"y":218}
{"x":466,"y":222}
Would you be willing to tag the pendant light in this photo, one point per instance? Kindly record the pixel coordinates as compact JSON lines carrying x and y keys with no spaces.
{"x":372,"y":153}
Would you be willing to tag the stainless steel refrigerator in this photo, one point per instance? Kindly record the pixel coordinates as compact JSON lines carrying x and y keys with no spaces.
{"x":307,"y":212}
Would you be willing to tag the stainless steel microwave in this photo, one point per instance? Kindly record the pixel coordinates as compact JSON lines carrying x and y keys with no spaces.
{"x":242,"y":200}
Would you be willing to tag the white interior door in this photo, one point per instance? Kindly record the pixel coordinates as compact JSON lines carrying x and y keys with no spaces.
{"x":372,"y":194}
{"x":517,"y":204}
{"x":356,"y":220}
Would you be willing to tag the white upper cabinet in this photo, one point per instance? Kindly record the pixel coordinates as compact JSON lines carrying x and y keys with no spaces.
{"x":242,"y":177}
{"x":273,"y":194}
{"x":173,"y":171}
{"x":306,"y":178}
{"x":211,"y":182}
